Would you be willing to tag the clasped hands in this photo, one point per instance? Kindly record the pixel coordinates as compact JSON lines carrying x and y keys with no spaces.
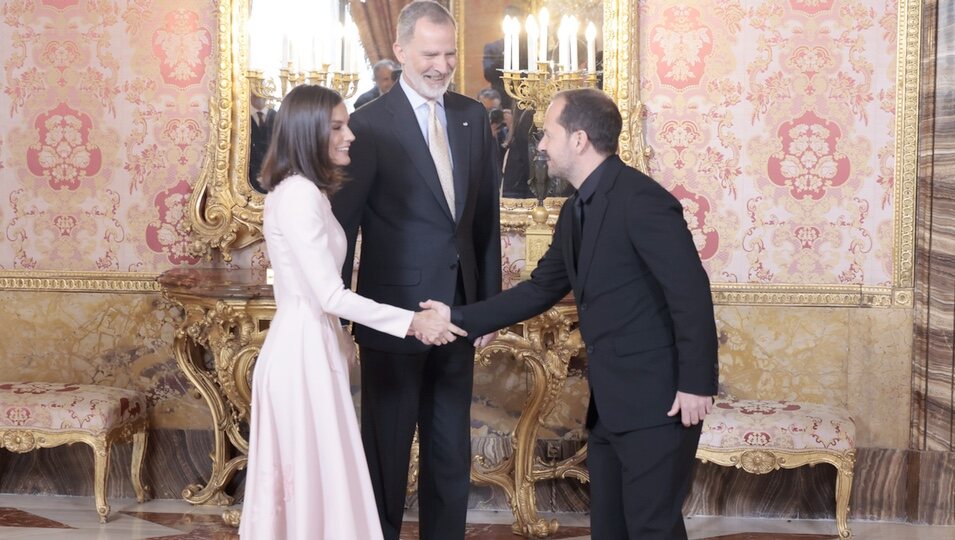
{"x":432,"y":326}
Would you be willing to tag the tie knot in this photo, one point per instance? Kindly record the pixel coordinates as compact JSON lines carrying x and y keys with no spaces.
{"x":432,"y":105}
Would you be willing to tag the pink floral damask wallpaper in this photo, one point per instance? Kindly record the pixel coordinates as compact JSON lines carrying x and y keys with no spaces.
{"x":773,"y":121}
{"x":104,"y":109}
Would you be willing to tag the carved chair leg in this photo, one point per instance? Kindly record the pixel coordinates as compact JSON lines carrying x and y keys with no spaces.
{"x":101,"y":477}
{"x":843,"y":490}
{"x":139,"y":456}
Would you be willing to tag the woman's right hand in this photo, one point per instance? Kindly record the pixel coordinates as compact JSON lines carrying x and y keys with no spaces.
{"x":433,"y":327}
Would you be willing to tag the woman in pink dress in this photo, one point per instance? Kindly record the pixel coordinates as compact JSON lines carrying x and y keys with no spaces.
{"x":307,"y":476}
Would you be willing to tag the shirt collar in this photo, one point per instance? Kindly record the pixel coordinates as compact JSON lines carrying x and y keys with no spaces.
{"x":416,"y":99}
{"x":590,"y":184}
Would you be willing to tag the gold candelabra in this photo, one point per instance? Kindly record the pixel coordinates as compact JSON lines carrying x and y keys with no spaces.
{"x":535,"y":90}
{"x":344,"y":83}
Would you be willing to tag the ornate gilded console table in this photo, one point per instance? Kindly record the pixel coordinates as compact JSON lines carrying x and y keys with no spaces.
{"x":545,"y":344}
{"x":227,"y":314}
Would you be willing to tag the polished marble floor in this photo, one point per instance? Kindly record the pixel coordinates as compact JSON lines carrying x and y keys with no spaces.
{"x":73,"y":518}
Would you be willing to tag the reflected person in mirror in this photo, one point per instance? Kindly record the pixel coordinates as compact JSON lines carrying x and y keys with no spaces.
{"x":307,"y":478}
{"x":385,"y":74}
{"x":260,"y":132}
{"x":646,"y":316}
{"x":424,"y":190}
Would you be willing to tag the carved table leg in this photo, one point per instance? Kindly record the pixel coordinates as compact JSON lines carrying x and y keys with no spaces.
{"x":546,"y":349}
{"x":189,"y":357}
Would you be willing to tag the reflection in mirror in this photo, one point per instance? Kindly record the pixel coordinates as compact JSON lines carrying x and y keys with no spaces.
{"x":385,"y":74}
{"x":519,"y":96}
{"x":260,"y":132}
{"x":226,"y":212}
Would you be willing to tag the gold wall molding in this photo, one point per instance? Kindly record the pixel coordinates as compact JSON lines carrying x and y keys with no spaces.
{"x":66,"y":281}
{"x":811,"y":295}
{"x":908,"y":61}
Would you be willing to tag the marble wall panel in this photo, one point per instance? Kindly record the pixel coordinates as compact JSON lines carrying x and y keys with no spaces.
{"x":880,"y":371}
{"x":769,"y":352}
{"x":174,"y":459}
{"x":121,"y":340}
{"x":933,"y":406}
{"x":936,"y":490}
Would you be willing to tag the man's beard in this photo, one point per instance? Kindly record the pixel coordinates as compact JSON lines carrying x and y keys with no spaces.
{"x":424,"y":87}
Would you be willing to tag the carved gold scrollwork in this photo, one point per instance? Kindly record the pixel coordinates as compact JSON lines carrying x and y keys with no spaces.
{"x":545,"y":345}
{"x":21,"y":441}
{"x":759,"y":461}
{"x":227,"y":330}
{"x":765,"y":461}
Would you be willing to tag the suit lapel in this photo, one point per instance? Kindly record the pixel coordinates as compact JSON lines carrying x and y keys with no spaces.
{"x":406,"y":128}
{"x":459,"y":138}
{"x":593,"y":222}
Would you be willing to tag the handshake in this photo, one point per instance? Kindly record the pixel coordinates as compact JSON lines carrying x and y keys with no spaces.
{"x":432,"y":326}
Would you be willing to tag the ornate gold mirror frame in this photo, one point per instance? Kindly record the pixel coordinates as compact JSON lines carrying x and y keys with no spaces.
{"x":226,"y":214}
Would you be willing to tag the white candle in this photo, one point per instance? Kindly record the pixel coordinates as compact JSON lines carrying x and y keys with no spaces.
{"x":352,"y":33}
{"x":574,"y":27}
{"x":285,"y":51}
{"x":320,"y":48}
{"x":591,"y":48}
{"x":562,"y":43}
{"x":339,"y":34}
{"x":543,"y":20}
{"x":516,"y":44}
{"x":506,"y":26}
{"x":532,"y":43}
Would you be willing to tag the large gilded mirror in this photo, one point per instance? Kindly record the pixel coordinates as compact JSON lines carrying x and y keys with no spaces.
{"x":226,"y":208}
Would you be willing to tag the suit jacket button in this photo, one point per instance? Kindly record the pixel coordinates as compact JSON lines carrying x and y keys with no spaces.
{"x":590,"y":349}
{"x":583,"y":307}
{"x":453,"y":266}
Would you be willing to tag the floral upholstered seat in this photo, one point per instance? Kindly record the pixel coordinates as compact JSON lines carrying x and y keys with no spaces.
{"x":781,"y":425}
{"x":762,"y":436}
{"x":42,"y":415}
{"x":78,"y":407}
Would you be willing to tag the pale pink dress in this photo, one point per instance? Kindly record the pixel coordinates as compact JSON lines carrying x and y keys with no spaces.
{"x":307,"y":477}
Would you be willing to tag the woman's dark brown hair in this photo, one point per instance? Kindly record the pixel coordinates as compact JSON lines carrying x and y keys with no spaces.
{"x":300,"y":138}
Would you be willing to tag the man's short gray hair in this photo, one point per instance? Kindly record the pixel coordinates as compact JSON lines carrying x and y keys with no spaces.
{"x":413,"y":12}
{"x":381,"y":64}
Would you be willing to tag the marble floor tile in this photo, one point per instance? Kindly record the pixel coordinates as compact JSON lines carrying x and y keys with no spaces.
{"x":14,"y":517}
{"x":73,"y":518}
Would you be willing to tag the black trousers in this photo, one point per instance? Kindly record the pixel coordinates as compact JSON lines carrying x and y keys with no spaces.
{"x":432,"y":390}
{"x":639,"y":479}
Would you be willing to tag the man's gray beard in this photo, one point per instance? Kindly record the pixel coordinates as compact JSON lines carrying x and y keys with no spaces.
{"x":422,"y":84}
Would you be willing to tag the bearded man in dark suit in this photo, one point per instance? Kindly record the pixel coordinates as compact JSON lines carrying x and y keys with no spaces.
{"x":646,"y":315}
{"x":424,"y":190}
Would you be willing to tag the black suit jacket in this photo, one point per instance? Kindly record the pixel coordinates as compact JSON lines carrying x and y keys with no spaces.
{"x":644,"y":301}
{"x":412,"y":248}
{"x":259,"y":137}
{"x":367,"y":97}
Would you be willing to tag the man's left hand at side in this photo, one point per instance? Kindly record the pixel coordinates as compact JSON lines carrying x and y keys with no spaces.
{"x":693,"y":408}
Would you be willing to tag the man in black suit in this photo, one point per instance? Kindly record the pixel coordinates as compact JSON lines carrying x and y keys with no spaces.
{"x":424,"y":191}
{"x":385,"y":77}
{"x":646,"y":315}
{"x":260,"y":132}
